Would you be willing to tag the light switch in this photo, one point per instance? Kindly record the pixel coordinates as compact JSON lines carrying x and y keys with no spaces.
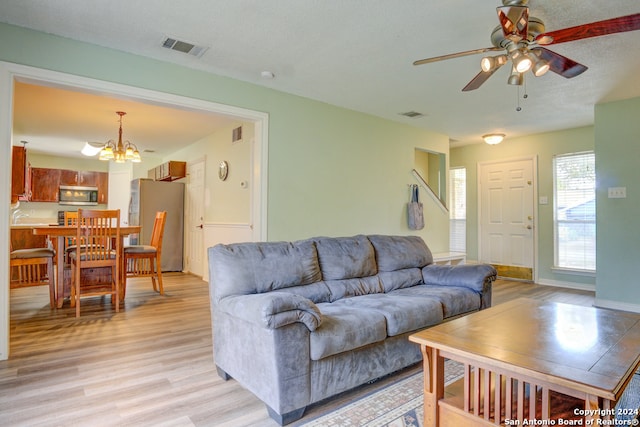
{"x":544,"y":200}
{"x":617,"y":192}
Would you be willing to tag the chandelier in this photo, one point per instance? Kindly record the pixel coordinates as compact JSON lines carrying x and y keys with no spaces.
{"x":120,"y":152}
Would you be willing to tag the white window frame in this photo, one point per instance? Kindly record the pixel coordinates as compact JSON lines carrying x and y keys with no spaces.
{"x":455,"y":235}
{"x":562,"y":207}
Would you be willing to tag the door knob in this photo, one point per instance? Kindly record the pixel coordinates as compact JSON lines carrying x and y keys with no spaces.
{"x":200,"y":226}
{"x":529,"y":227}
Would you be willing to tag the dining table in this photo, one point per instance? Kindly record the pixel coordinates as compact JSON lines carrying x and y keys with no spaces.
{"x":62,"y":232}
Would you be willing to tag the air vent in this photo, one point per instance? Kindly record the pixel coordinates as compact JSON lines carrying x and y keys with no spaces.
{"x":184,"y":47}
{"x":236,"y":135}
{"x":412,"y":114}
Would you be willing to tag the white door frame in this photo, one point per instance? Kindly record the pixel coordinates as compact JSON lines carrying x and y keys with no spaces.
{"x":534,"y":162}
{"x":10,"y":72}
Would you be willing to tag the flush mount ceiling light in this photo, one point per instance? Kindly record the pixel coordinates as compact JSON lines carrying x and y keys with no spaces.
{"x":119,"y":151}
{"x":92,"y":148}
{"x":493,"y":138}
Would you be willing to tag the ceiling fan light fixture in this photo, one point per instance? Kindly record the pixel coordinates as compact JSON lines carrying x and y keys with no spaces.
{"x":521,"y":60}
{"x":540,"y":68}
{"x":493,"y":138}
{"x":515,"y":78}
{"x":490,"y":63}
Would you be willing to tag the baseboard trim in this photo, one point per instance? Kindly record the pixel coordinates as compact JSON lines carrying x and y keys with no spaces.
{"x":568,"y":285}
{"x":617,"y":305}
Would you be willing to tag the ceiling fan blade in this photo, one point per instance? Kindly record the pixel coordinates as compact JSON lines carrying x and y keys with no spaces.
{"x":479,"y":79}
{"x":560,"y":64}
{"x":514,"y":21}
{"x":455,"y":55}
{"x":594,"y":29}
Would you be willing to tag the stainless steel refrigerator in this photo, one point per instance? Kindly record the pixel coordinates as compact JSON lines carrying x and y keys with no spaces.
{"x":147,"y":198}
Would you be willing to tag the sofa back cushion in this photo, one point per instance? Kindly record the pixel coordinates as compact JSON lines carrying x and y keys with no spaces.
{"x":400,"y":252}
{"x":392,"y":280}
{"x":249,"y":268}
{"x":345,"y":257}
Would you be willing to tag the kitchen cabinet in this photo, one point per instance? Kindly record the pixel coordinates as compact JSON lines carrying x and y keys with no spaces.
{"x":19,"y":173}
{"x":45,"y":184}
{"x":23,"y":238}
{"x":170,"y":171}
{"x":102,"y":182}
{"x":80,"y":178}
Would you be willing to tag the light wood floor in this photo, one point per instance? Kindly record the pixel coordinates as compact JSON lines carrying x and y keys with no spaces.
{"x":149,"y":365}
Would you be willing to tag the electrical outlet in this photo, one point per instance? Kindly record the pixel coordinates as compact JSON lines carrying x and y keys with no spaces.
{"x":617,"y":192}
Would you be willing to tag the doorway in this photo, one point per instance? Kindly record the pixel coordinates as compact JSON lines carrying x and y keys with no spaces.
{"x":10,"y":73}
{"x":506,"y":221}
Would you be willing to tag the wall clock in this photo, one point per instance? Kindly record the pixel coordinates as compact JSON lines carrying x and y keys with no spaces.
{"x":223,"y":170}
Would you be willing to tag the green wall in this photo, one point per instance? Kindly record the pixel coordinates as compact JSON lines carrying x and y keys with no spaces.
{"x":542,"y":146}
{"x":332,"y":171}
{"x":617,"y":150}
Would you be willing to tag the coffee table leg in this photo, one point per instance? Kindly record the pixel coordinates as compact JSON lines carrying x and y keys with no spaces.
{"x":433,"y":370}
{"x":592,"y":409}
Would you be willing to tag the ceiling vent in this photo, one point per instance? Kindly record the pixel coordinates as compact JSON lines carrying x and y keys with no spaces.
{"x":412,"y":114}
{"x":184,"y":47}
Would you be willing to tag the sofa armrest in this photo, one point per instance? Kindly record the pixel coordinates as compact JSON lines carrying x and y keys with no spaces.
{"x":272,"y":310}
{"x":474,"y":276}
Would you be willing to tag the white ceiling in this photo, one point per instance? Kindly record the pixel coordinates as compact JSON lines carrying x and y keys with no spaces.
{"x":357,"y":54}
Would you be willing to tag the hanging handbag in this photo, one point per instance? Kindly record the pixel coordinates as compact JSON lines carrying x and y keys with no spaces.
{"x":414,"y":210}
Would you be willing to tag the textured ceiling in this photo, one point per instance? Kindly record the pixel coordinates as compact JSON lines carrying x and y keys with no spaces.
{"x":358,"y":54}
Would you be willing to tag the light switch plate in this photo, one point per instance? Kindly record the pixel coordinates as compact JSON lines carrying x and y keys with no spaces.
{"x":617,"y":192}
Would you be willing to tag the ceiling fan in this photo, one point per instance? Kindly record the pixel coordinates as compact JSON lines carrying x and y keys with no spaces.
{"x":522,"y":38}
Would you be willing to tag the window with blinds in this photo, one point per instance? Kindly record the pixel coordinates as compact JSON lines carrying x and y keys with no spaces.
{"x":458,"y":210}
{"x":574,"y":184}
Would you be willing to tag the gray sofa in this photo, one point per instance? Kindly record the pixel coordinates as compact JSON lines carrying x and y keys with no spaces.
{"x":297,"y":322}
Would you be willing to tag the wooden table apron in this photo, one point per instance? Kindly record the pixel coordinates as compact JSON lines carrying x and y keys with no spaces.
{"x":524,"y":339}
{"x":62,"y":232}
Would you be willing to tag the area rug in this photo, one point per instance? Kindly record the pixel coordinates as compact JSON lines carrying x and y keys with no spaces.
{"x":397,"y":405}
{"x":400,"y":404}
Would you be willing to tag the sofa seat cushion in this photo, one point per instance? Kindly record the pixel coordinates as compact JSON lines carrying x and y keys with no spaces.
{"x":402,"y":313}
{"x":345,"y":328}
{"x":454,"y":299}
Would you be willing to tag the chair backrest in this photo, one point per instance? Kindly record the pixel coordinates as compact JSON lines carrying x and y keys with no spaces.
{"x":98,"y":233}
{"x":158,"y":231}
{"x":70,"y":218}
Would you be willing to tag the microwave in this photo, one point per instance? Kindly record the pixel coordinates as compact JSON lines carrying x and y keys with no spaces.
{"x":78,"y":196}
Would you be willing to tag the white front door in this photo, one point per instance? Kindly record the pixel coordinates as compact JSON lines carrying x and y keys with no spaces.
{"x":506,"y":223}
{"x":195,"y":217}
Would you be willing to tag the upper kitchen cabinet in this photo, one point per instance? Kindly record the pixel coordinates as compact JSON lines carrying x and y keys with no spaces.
{"x":19,"y":173}
{"x":45,"y":184}
{"x":80,"y":178}
{"x":170,"y":171}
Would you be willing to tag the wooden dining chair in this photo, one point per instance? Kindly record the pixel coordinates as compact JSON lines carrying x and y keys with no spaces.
{"x":33,"y":267}
{"x":98,"y":245}
{"x":70,"y":218}
{"x":145,"y":260}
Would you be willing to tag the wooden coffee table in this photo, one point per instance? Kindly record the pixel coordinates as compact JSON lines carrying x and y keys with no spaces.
{"x":575,"y":360}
